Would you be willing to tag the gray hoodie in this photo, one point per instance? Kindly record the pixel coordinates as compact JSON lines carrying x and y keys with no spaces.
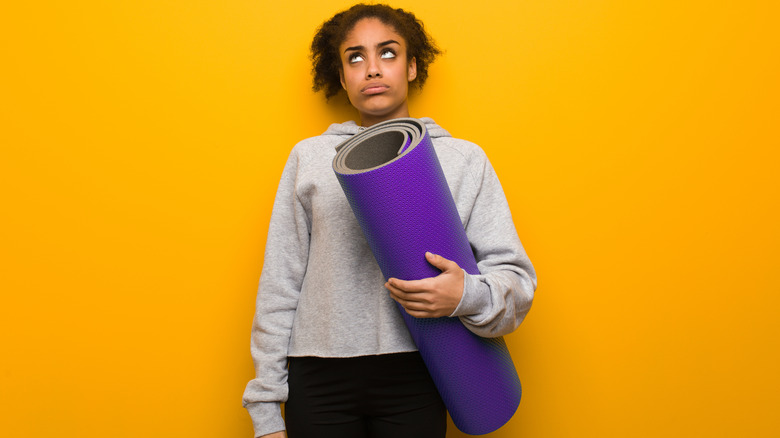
{"x":321,"y":291}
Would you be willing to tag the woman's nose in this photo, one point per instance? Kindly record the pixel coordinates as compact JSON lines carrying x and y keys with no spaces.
{"x":373,"y":71}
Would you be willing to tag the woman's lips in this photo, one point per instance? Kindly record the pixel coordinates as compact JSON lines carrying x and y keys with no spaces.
{"x":374,"y":89}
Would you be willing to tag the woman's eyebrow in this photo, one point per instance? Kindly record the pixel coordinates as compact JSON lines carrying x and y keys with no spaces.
{"x":382,"y":44}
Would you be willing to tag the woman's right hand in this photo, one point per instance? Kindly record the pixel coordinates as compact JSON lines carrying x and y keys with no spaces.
{"x":275,"y":435}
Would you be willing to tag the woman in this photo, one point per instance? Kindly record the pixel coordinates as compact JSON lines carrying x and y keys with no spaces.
{"x":323,"y":306}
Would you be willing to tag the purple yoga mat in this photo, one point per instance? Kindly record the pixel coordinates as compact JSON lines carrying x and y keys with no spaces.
{"x":395,"y":185}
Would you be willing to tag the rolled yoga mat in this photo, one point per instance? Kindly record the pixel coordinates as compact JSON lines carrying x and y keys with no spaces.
{"x":395,"y":185}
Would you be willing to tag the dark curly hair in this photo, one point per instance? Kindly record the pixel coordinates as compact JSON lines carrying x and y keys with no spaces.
{"x":326,"y":62}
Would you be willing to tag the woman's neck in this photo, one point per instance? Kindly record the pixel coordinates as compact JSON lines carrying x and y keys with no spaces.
{"x":367,"y":120}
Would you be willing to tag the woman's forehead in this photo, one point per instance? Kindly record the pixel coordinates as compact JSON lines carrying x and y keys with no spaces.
{"x":368,"y":32}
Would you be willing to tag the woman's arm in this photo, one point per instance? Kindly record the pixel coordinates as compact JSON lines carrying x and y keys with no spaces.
{"x":284,"y":266}
{"x":496,"y":301}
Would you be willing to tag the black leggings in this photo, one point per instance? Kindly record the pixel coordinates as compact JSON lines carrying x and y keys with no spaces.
{"x":383,"y":396}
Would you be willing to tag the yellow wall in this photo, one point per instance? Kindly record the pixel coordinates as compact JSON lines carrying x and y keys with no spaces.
{"x":637,"y":142}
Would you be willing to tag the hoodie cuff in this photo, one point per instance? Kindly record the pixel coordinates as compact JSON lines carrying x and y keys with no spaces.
{"x":473,"y":301}
{"x":266,"y":417}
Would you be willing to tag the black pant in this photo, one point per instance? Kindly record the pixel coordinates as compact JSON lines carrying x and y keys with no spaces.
{"x":383,"y":396}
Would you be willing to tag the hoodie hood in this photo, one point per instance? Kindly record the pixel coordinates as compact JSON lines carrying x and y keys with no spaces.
{"x":352,"y":128}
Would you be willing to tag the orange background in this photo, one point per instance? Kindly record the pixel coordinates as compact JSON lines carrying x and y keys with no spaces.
{"x":637,"y":142}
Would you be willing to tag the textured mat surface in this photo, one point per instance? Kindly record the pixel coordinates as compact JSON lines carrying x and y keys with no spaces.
{"x":396,"y":187}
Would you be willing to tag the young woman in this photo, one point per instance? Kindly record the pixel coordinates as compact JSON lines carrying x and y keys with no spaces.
{"x":323,"y":307}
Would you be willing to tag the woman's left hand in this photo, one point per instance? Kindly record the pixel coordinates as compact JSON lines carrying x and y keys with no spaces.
{"x":430,"y":297}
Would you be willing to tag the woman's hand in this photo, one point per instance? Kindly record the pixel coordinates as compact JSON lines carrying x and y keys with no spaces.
{"x":430,"y":297}
{"x":275,"y":435}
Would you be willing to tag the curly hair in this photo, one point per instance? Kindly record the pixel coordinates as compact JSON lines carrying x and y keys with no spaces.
{"x":326,"y":62}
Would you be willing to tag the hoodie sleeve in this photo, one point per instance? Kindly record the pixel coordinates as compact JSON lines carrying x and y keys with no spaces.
{"x":284,"y":266}
{"x":495,"y":302}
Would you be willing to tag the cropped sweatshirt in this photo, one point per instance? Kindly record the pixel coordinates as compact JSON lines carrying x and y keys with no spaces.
{"x":321,"y":292}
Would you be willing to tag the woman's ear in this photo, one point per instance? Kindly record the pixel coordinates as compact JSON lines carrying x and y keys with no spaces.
{"x":341,"y":78}
{"x":412,"y":70}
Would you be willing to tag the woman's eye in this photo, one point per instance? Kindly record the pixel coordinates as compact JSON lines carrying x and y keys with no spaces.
{"x":356,"y":57}
{"x":388,"y":54}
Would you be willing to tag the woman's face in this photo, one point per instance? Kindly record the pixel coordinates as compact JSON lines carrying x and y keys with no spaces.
{"x":374,"y":71}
